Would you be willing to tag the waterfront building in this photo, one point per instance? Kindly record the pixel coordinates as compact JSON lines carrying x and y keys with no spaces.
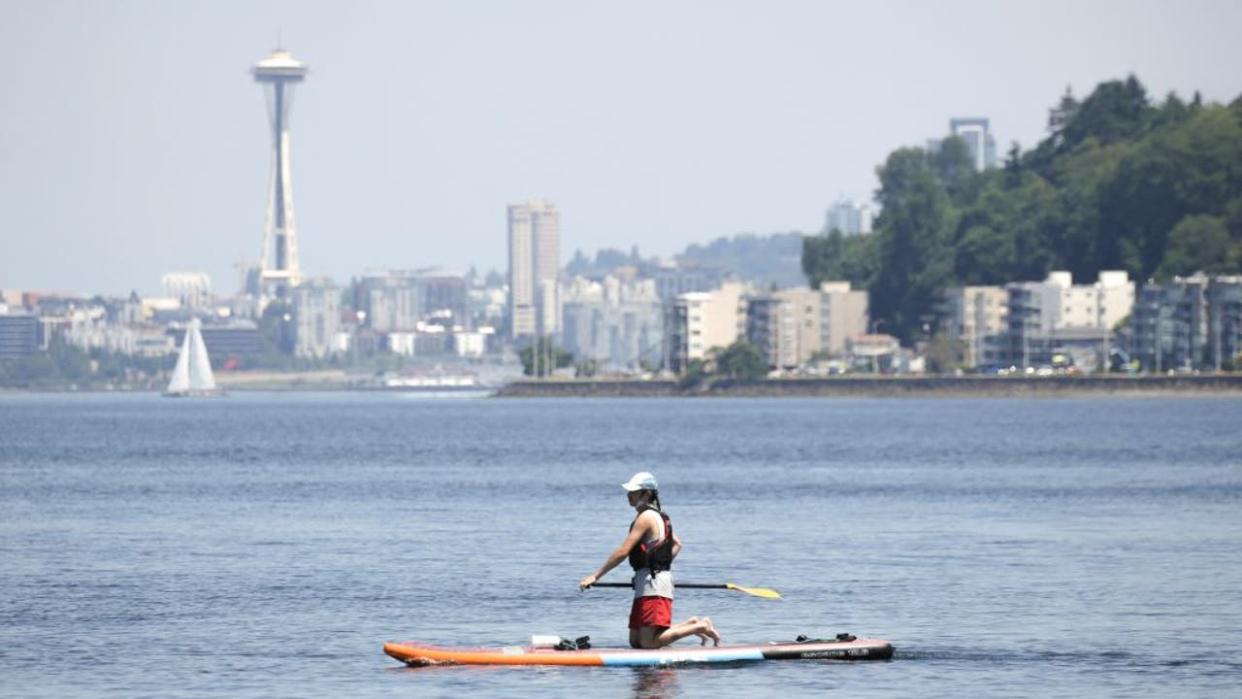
{"x":700,"y":321}
{"x":1043,"y":316}
{"x":233,"y":340}
{"x":471,"y":344}
{"x":19,"y":335}
{"x":398,"y":300}
{"x":849,"y":218}
{"x":793,"y":326}
{"x":279,"y":268}
{"x":534,"y":264}
{"x":972,"y":313}
{"x":874,"y":352}
{"x":317,"y":311}
{"x":1188,"y":323}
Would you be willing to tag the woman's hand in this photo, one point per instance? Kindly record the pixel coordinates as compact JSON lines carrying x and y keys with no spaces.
{"x":586,"y":582}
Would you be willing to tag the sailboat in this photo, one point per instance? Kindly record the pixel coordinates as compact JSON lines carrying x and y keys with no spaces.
{"x":192,"y":375}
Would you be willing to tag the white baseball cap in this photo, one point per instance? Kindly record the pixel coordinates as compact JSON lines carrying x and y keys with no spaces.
{"x":641,"y":481}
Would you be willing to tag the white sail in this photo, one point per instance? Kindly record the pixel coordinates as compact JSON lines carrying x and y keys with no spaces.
{"x":192,"y":375}
{"x":201,"y":378}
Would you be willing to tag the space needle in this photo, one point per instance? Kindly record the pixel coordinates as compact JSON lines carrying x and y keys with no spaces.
{"x":279,"y":270}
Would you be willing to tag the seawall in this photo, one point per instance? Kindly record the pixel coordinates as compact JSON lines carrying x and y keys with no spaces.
{"x":883,"y":386}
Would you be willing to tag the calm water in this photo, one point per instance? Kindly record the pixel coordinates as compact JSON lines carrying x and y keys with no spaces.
{"x":266,"y":545}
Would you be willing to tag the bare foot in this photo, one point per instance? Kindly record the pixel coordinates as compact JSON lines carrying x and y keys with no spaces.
{"x":710,"y":632}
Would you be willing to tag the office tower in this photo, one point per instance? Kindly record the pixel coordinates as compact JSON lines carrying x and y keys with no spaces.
{"x":975,"y":132}
{"x":189,"y":288}
{"x":279,"y":270}
{"x":534,"y":263}
{"x":848,"y":217}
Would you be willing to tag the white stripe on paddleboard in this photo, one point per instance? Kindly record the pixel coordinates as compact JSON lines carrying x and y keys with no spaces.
{"x":667,"y":657}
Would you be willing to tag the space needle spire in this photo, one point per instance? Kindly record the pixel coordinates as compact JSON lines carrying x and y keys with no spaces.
{"x":278,"y":74}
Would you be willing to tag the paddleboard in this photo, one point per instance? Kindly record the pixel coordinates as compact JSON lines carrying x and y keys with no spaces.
{"x":415,"y":653}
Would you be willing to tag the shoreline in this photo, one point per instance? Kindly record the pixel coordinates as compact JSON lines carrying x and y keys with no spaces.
{"x":1225,"y":385}
{"x":1182,"y":386}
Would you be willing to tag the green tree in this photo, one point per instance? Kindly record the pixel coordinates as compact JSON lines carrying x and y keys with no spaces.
{"x":1187,"y":169}
{"x":741,"y":360}
{"x":278,"y":328}
{"x":542,"y":356}
{"x":837,"y":257}
{"x":914,"y":253}
{"x":1197,"y":244}
{"x":955,"y":170}
{"x":944,"y":353}
{"x":1117,"y":110}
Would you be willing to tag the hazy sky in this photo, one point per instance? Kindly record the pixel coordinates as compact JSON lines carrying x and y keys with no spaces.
{"x":133,"y":141}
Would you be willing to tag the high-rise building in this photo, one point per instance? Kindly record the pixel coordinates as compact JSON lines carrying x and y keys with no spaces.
{"x":279,"y":269}
{"x":534,"y":263}
{"x":189,"y":288}
{"x":317,"y":307}
{"x":978,"y":137}
{"x":849,"y":218}
{"x":618,"y":323}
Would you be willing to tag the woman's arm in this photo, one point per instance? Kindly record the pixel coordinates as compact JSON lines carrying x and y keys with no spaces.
{"x":676,"y":545}
{"x":620,"y":554}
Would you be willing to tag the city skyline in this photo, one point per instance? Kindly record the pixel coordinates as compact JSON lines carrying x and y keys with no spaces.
{"x":423,"y":122}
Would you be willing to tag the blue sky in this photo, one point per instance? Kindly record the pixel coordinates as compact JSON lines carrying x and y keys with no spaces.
{"x":133,"y":141}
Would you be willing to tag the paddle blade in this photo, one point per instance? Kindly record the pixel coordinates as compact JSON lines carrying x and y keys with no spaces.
{"x":764,"y":592}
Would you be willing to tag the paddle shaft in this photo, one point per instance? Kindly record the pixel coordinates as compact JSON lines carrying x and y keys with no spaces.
{"x":699,"y":586}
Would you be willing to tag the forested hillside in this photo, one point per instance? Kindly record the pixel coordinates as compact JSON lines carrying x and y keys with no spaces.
{"x":1121,"y":182}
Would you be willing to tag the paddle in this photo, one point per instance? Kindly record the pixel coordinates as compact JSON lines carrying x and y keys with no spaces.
{"x":764,"y":592}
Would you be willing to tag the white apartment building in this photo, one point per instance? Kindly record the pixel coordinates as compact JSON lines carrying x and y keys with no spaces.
{"x":534,"y":262}
{"x":1100,"y":305}
{"x":1057,"y":313}
{"x":972,"y":313}
{"x":700,"y":321}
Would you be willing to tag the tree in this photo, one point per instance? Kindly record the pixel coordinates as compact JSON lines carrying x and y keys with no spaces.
{"x":838,"y":257}
{"x":741,"y":360}
{"x":1189,"y":168}
{"x":542,"y":356}
{"x":1117,"y":110}
{"x":944,"y":353}
{"x":1197,"y":244}
{"x":914,"y":253}
{"x":955,"y":170}
{"x":278,"y":327}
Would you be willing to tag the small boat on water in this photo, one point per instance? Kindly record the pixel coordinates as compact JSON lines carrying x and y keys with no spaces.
{"x":192,"y":376}
{"x":414,"y":653}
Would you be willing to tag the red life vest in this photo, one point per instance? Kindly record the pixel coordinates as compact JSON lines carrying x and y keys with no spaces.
{"x":655,"y":555}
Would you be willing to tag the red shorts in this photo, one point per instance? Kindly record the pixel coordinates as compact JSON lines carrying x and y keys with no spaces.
{"x":651,"y":611}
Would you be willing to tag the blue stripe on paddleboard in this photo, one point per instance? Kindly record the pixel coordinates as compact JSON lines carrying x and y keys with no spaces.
{"x":668,"y":657}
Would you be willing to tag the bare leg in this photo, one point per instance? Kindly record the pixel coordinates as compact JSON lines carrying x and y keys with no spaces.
{"x":655,"y":637}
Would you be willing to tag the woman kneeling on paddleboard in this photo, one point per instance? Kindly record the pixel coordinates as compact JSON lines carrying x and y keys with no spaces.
{"x":650,"y":548}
